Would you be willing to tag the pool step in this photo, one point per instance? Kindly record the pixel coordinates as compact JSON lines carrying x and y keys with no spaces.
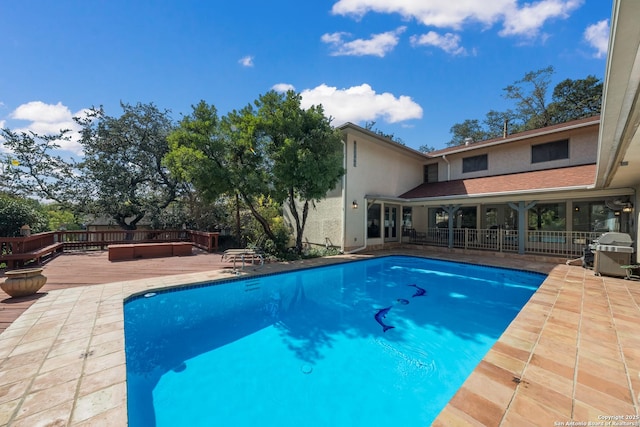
{"x":252,"y":285}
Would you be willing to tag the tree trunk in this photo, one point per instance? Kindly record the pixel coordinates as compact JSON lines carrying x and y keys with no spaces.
{"x":131,"y":226}
{"x":238,"y":228}
{"x":263,"y":222}
{"x":300,"y":224}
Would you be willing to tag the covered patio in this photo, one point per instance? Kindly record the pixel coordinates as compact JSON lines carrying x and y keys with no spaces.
{"x":549,"y":212}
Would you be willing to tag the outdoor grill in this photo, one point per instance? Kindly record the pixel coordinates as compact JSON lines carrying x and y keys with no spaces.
{"x":612,"y":250}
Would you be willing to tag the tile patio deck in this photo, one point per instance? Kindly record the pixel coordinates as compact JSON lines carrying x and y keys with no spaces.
{"x":572,"y":353}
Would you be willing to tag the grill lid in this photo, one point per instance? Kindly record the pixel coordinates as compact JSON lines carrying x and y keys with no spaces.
{"x":615,"y":238}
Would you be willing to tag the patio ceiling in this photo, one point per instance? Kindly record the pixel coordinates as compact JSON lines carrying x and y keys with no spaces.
{"x":619,"y":149}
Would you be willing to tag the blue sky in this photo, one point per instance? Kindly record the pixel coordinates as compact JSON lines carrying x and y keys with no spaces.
{"x":415,"y":67}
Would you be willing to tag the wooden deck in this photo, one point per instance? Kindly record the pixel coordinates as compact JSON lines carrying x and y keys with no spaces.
{"x":92,"y":268}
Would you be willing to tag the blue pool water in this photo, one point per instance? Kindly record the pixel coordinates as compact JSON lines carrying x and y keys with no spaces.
{"x":309,"y":347}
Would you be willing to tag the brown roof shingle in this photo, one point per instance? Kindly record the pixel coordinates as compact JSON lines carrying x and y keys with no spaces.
{"x":572,"y":176}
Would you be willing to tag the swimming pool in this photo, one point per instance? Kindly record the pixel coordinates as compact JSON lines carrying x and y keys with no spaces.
{"x":385,"y":341}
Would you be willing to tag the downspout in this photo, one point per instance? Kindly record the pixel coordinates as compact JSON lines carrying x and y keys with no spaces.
{"x":365,"y":230}
{"x":344,"y":196}
{"x":444,"y":157}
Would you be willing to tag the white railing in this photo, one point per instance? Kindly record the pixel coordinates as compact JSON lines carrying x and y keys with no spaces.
{"x":558,"y":243}
{"x":568,"y":243}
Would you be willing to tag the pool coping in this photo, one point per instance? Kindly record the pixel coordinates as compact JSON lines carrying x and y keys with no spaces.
{"x":64,"y":359}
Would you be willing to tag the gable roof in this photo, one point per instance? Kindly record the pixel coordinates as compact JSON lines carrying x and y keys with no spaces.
{"x":581,"y":176}
{"x":382,"y":140}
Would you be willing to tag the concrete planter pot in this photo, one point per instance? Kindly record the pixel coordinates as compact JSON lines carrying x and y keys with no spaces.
{"x":24,"y":282}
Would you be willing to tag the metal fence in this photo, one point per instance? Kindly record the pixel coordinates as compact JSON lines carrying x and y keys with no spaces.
{"x":557,"y":243}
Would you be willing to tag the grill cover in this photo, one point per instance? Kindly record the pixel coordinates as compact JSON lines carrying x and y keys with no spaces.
{"x":612,"y":250}
{"x":615,"y":239}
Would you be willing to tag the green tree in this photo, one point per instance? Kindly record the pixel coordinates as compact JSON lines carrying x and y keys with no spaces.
{"x":123,"y":175}
{"x":426,"y":148}
{"x":196,"y":213}
{"x":34,"y":169}
{"x":530,"y":95}
{"x":254,"y":231}
{"x":305,"y":151}
{"x":269,"y":150}
{"x":252,"y":165}
{"x":369,"y":125}
{"x":571,"y":100}
{"x":217,"y":157}
{"x":17,"y":211}
{"x":62,"y":218}
{"x":576,"y":99}
{"x":469,"y":130}
{"x":500,"y":122}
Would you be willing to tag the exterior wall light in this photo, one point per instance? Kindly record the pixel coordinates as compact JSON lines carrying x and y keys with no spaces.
{"x":354,"y":205}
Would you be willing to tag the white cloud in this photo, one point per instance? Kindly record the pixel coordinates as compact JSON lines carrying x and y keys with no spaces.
{"x":246,"y":61}
{"x":377,"y":45}
{"x":525,"y":20}
{"x":360,"y":103}
{"x":283,"y":87}
{"x":528,"y":19}
{"x":597,"y":35}
{"x":448,"y":42}
{"x":39,"y":111}
{"x":437,"y":13}
{"x":50,"y":119}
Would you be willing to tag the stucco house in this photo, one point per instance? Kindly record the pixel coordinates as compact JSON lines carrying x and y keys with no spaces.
{"x":547,"y":191}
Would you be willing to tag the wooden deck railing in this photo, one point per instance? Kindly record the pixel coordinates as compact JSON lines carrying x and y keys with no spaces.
{"x":18,"y":251}
{"x":205,"y":240}
{"x":101,"y":239}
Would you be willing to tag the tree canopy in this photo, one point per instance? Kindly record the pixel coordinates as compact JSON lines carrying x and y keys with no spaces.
{"x":140,"y":165}
{"x":120,"y":176}
{"x":306,"y":153}
{"x":272,"y":148}
{"x":533,"y":108}
{"x":123,"y":175}
{"x":34,"y":168}
{"x":17,"y":211}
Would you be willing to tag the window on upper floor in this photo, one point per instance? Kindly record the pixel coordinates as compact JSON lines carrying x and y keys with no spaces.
{"x":549,"y":151}
{"x":431,"y":173}
{"x":475,"y":163}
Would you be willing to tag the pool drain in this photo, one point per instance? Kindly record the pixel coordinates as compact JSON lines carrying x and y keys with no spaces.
{"x":306,"y":369}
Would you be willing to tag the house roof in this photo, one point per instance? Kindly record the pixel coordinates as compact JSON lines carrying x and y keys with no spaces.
{"x":574,"y":124}
{"x":383,"y":140}
{"x":551,"y":179}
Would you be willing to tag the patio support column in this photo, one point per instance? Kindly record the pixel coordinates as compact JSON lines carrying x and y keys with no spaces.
{"x":522,"y":219}
{"x":451,"y":210}
{"x":383,"y":225}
